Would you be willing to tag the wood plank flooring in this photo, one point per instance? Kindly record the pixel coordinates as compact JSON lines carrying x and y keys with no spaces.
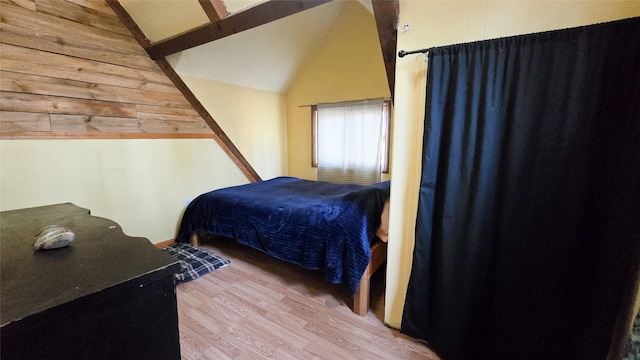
{"x":259,"y":307}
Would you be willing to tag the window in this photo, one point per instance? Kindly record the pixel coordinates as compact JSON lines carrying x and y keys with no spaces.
{"x":350,"y":128}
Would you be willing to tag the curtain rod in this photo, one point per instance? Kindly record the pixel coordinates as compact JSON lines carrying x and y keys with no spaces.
{"x":346,"y":101}
{"x":402,"y":53}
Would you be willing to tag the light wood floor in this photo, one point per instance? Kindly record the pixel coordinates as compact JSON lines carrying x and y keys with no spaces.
{"x":259,"y":307}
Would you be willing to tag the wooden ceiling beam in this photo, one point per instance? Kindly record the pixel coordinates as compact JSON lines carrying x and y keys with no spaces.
{"x":218,"y":134}
{"x":247,"y":19}
{"x":127,"y":20}
{"x":225,"y":143}
{"x":215,"y":9}
{"x":386,"y":13}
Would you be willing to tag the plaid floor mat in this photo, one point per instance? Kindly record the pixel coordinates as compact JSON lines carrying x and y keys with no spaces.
{"x":194,"y":262}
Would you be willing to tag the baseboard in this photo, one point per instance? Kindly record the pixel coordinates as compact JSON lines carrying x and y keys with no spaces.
{"x":163,"y":244}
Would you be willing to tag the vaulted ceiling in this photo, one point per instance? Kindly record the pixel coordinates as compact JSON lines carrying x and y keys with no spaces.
{"x":243,"y":42}
{"x":253,"y":43}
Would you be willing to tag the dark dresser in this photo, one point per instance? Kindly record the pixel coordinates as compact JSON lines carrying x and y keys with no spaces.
{"x":106,"y":296}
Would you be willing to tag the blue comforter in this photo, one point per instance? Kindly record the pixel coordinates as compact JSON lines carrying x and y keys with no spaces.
{"x":317,"y":225}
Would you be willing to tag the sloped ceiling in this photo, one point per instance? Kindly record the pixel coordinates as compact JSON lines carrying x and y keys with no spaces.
{"x":266,"y":57}
{"x":261,"y":46}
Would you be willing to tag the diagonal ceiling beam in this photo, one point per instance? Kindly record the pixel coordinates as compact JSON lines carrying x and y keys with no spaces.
{"x":225,"y":143}
{"x":127,"y":20}
{"x":386,"y":14}
{"x":247,"y":19}
{"x":215,"y":9}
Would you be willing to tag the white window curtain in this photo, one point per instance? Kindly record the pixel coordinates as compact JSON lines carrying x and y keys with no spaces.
{"x":348,"y":141}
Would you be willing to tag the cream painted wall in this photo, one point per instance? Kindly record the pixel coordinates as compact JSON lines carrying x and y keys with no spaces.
{"x":254,"y":120}
{"x":140,"y":184}
{"x":347,"y":65}
{"x":437,"y":23}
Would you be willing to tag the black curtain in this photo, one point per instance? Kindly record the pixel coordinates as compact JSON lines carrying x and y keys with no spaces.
{"x":529,"y":209}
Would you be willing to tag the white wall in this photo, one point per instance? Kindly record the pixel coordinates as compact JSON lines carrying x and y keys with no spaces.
{"x":437,"y":23}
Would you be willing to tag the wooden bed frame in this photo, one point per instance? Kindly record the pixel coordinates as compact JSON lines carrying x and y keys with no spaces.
{"x":361,"y":297}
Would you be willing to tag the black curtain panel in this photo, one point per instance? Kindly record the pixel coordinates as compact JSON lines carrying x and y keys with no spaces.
{"x":528,"y":220}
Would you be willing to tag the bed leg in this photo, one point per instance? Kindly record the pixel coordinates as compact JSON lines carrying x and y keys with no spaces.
{"x":361,"y":298}
{"x":195,"y":239}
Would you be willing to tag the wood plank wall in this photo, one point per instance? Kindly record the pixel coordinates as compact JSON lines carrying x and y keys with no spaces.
{"x":71,"y":69}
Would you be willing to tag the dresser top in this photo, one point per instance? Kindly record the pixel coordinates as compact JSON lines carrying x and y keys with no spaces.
{"x":101,"y":257}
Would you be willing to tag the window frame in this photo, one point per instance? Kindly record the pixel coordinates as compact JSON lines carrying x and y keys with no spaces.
{"x":385,"y":141}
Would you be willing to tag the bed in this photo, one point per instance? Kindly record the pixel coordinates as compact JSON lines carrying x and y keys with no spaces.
{"x":340,"y":229}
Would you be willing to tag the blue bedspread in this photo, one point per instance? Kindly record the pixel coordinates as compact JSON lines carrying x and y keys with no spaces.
{"x":317,"y":225}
